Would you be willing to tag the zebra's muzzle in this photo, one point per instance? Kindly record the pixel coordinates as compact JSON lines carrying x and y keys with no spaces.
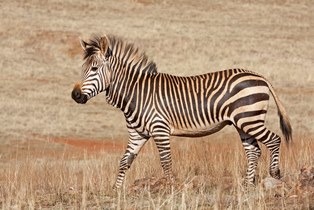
{"x":78,"y":96}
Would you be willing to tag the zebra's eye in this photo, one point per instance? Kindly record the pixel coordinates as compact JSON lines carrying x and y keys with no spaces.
{"x":94,"y":68}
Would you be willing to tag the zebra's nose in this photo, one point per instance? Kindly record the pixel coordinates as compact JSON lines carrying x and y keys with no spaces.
{"x":78,"y":96}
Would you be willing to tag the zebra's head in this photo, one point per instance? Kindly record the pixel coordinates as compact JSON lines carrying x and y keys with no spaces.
{"x":95,"y":70}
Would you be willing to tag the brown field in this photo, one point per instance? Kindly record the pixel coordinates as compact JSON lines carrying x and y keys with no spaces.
{"x":56,"y":154}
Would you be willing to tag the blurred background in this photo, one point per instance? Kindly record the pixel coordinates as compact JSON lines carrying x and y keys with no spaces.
{"x":41,"y":57}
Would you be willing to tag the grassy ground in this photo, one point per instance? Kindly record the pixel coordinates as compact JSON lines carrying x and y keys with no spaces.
{"x":209,"y":175}
{"x":57,"y":154}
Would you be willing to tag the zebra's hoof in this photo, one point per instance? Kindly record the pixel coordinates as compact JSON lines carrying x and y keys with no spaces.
{"x":275,"y":174}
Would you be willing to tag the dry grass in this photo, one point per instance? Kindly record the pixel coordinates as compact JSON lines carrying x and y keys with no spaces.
{"x":41,"y":55}
{"x":208,"y":176}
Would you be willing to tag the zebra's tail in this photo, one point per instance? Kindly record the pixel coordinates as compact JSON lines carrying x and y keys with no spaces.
{"x":285,"y":125}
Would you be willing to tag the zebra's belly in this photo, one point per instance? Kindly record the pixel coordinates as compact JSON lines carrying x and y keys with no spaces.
{"x":199,"y":132}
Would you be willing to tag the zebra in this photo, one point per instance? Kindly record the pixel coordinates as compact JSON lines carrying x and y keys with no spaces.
{"x":161,"y":105}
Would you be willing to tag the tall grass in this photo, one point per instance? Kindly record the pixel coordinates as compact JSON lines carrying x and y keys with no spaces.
{"x":209,"y":175}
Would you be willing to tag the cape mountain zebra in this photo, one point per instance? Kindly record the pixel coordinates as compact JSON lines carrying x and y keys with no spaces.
{"x":159,"y":105}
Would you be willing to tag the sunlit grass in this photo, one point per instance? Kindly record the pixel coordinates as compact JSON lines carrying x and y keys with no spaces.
{"x":209,"y":174}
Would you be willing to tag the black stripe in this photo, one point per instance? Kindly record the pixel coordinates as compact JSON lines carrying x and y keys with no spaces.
{"x":245,"y":84}
{"x":248,"y":114}
{"x":184,"y":91}
{"x":201,"y":95}
{"x":189,"y":103}
{"x":247,"y":100}
{"x":214,"y":97}
{"x":251,"y":123}
{"x":172,"y":100}
{"x":255,"y":128}
{"x":194,"y":104}
{"x":263,"y":138}
{"x":207,"y":81}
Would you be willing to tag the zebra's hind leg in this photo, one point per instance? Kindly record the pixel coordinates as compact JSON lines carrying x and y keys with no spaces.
{"x":136,"y":142}
{"x":253,"y":152}
{"x":272,"y":142}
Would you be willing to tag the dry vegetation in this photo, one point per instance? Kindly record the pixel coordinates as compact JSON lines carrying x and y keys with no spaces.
{"x":84,"y":179}
{"x":55,"y":154}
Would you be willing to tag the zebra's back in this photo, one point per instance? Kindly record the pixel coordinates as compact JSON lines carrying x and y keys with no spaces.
{"x":203,"y":104}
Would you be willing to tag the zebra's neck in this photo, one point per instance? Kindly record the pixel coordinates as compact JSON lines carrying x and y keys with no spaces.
{"x":131,"y":71}
{"x":128,"y":86}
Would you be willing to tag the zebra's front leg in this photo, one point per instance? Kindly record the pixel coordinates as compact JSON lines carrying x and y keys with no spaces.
{"x":135,"y":144}
{"x":163,"y":145}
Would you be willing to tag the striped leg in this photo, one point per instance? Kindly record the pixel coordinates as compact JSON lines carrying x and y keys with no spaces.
{"x":272,"y":142}
{"x":135,"y":144}
{"x":163,"y":145}
{"x":253,"y":152}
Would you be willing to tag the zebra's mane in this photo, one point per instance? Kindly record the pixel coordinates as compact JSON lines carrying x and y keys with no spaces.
{"x":126,"y":49}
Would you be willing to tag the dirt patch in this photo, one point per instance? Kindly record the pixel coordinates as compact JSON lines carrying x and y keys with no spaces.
{"x":60,"y":148}
{"x":88,"y":145}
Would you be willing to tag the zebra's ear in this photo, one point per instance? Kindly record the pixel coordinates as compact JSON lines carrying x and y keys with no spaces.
{"x":83,"y":44}
{"x":105,"y":46}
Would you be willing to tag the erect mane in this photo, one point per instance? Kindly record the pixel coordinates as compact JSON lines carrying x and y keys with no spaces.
{"x":121,"y":49}
{"x":93,"y":47}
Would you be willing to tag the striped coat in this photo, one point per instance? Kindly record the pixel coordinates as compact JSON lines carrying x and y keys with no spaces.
{"x":160,"y":105}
